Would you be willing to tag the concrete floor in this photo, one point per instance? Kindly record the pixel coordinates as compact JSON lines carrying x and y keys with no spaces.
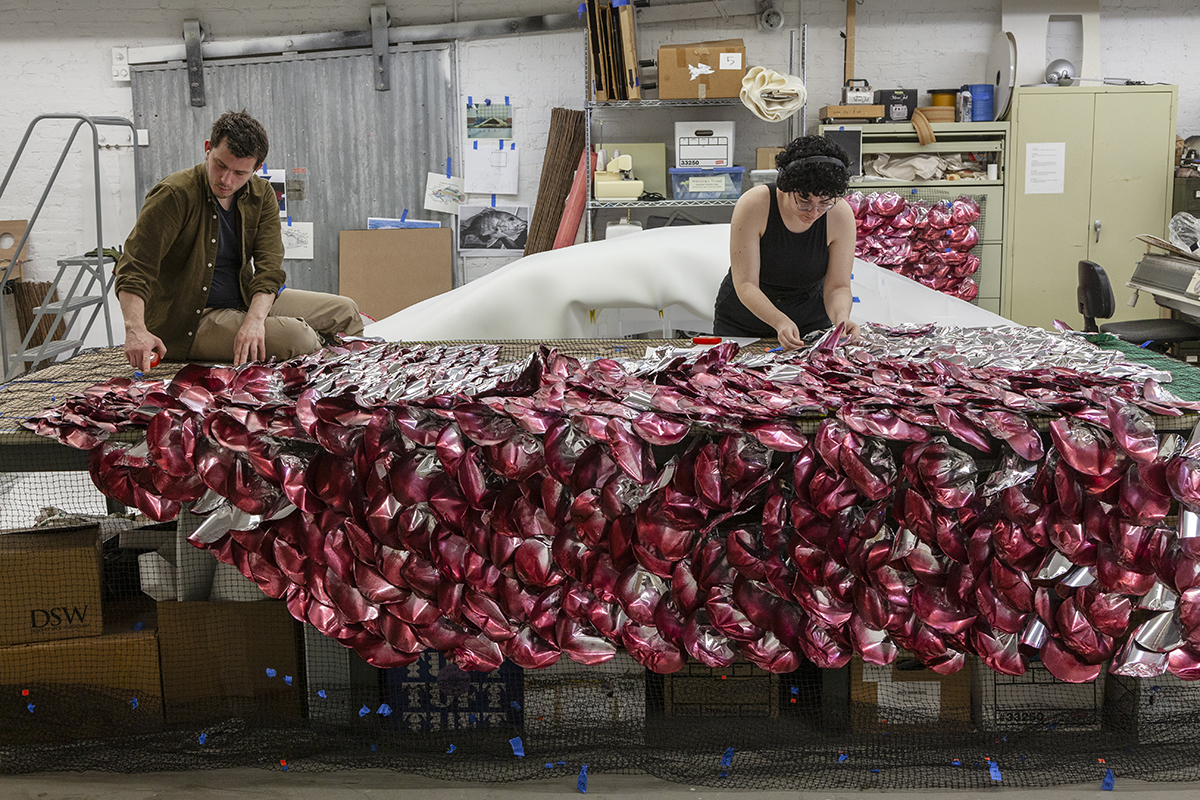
{"x":258,"y":784}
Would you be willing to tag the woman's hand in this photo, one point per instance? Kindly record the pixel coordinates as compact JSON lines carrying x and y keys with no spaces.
{"x":789,"y":335}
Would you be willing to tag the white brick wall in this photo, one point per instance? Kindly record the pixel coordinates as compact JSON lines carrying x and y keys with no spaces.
{"x":55,"y":56}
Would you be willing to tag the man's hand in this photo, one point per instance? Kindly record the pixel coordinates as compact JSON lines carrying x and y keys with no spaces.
{"x":250,"y":344}
{"x":851,"y":333}
{"x":143,"y":349}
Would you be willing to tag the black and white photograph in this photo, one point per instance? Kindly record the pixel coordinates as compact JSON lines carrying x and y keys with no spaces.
{"x":490,"y":230}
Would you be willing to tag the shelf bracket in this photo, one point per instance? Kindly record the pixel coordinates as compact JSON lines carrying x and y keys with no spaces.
{"x":195,"y":61}
{"x":382,"y":61}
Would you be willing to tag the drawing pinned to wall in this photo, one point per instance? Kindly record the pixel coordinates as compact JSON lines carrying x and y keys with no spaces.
{"x":491,"y":168}
{"x":488,"y":230}
{"x":278,"y":181}
{"x":297,"y":240}
{"x":444,"y":193}
{"x":489,"y":120}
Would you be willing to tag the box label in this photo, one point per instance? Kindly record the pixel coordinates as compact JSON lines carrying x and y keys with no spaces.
{"x":730,"y":61}
{"x":706,"y":183}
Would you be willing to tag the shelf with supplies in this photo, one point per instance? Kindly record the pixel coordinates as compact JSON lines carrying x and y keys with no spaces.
{"x":651,"y":141}
{"x":989,"y":139}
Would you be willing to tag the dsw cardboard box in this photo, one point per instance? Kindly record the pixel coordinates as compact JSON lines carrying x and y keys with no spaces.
{"x":93,"y":686}
{"x":701,"y":70}
{"x":50,"y":585}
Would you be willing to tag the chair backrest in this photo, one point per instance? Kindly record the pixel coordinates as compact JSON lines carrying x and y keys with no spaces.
{"x":1095,"y":294}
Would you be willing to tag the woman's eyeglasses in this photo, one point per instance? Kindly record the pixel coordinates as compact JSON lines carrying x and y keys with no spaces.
{"x":822,"y":206}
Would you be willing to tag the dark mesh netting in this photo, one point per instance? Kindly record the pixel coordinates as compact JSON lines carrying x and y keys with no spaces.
{"x":125,"y":648}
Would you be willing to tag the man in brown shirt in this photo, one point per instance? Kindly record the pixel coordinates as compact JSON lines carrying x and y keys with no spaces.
{"x":202,"y":277}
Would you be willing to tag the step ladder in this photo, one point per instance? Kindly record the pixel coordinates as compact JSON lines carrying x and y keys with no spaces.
{"x":75,"y":301}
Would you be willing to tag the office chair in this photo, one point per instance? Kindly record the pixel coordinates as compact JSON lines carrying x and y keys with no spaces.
{"x":1095,"y":296}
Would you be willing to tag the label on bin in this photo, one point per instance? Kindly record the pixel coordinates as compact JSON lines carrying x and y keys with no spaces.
{"x":706,"y":183}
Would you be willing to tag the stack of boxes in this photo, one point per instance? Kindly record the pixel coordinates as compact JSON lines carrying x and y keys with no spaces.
{"x":74,"y":669}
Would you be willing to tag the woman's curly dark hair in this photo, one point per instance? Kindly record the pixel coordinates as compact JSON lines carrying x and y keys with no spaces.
{"x":818,"y":178}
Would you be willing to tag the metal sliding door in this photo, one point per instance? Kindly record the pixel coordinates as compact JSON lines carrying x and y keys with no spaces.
{"x":347,"y":150}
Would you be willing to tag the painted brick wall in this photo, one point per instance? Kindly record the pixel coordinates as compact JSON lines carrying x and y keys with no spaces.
{"x":55,"y":56}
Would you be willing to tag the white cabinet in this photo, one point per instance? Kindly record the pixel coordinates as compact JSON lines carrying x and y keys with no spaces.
{"x":1091,"y":169}
{"x":988,"y":142}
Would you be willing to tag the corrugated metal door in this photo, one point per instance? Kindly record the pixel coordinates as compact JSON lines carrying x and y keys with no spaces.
{"x":351,"y":151}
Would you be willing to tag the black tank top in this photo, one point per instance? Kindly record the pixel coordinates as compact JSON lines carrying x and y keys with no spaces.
{"x":791,"y":273}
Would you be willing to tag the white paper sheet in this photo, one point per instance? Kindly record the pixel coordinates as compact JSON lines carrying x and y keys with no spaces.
{"x":297,"y":240}
{"x":1045,"y":167}
{"x":490,"y":167}
{"x":444,"y":193}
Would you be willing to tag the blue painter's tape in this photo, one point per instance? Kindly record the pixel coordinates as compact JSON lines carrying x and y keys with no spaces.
{"x":512,"y":145}
{"x":727,"y":758}
{"x":133,"y":702}
{"x":518,"y":746}
{"x":362,"y":712}
{"x":287,"y":679}
{"x":506,"y":101}
{"x":487,"y":101}
{"x":289,"y":222}
{"x":264,"y":168}
{"x":385,"y":710}
{"x":475,"y":145}
{"x":203,"y":738}
{"x":581,"y":784}
{"x":1108,"y":782}
{"x":619,"y":3}
{"x":855,"y":299}
{"x":501,"y":144}
{"x":995,"y":770}
{"x":451,"y":750}
{"x":321,"y":694}
{"x":843,"y":757}
{"x":580,"y":10}
{"x":469,"y":102}
{"x":493,"y":201}
{"x":270,"y":672}
{"x":448,"y":166}
{"x":404,"y":215}
{"x":281,"y":288}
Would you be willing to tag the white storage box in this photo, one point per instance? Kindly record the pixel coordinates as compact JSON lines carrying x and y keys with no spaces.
{"x":704,"y":144}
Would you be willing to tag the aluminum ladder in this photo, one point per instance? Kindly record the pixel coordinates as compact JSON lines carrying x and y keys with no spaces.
{"x":76,"y":300}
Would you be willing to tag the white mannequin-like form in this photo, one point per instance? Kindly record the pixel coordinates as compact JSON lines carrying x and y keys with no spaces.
{"x":550,"y":295}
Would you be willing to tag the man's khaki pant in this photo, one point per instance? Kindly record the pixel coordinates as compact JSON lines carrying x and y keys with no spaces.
{"x":295,"y":326}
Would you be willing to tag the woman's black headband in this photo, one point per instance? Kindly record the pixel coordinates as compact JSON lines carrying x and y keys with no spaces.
{"x":820,"y":160}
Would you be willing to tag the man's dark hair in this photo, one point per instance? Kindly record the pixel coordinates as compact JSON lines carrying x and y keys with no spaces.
{"x":242,"y":134}
{"x":813,"y":166}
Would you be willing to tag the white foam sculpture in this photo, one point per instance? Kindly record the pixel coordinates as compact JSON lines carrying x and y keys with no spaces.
{"x":552,"y":295}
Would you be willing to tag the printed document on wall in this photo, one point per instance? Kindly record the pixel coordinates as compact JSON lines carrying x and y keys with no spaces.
{"x":1045,"y":167}
{"x":297,"y":240}
{"x":490,"y":167}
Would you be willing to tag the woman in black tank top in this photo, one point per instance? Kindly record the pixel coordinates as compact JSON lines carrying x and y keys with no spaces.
{"x":791,"y":248}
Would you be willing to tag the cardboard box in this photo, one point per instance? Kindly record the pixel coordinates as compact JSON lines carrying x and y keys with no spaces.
{"x":387,"y":270}
{"x":704,"y":144}
{"x":906,"y":693}
{"x":898,"y":104}
{"x":83,"y":688}
{"x":765,"y":157}
{"x":611,"y":695}
{"x":739,"y":690}
{"x":222,"y":659}
{"x":1035,"y":701}
{"x":701,"y":70}
{"x":51,"y":584}
{"x":16,"y":229}
{"x":433,"y":694}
